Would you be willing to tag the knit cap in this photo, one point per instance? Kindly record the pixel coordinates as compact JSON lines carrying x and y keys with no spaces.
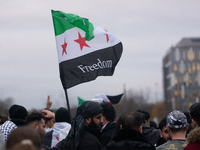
{"x":18,"y":112}
{"x":62,"y":115}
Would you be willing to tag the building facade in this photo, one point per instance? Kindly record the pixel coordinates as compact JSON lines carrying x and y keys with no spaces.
{"x":181,"y":74}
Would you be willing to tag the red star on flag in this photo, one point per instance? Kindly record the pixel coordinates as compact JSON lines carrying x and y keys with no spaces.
{"x":57,"y":139}
{"x":107,"y":38}
{"x":81,"y":41}
{"x":64,"y":46}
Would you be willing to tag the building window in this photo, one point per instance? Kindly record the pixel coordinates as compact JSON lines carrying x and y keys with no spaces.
{"x":193,"y":67}
{"x":177,"y":54}
{"x":180,"y":79}
{"x":190,"y":54}
{"x":175,"y":92}
{"x":199,"y":54}
{"x":190,"y":80}
{"x":176,"y":81}
{"x":189,"y":70}
{"x":193,"y":56}
{"x":196,"y":78}
{"x":175,"y":67}
{"x":184,"y":78}
{"x":198,"y":66}
{"x":194,"y":94}
{"x":181,"y":67}
{"x":184,"y":55}
{"x":180,"y":93}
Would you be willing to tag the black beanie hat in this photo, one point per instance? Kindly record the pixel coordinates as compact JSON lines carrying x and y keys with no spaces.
{"x":18,"y":112}
{"x":62,"y":115}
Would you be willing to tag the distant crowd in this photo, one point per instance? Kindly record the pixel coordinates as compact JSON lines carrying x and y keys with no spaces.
{"x":96,"y":127}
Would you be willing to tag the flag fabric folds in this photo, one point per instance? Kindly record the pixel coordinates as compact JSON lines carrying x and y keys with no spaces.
{"x":84,"y":51}
{"x":80,"y":101}
{"x":102,"y":98}
{"x":108,"y":99}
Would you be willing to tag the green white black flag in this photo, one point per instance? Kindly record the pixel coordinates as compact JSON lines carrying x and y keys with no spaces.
{"x":85,"y":51}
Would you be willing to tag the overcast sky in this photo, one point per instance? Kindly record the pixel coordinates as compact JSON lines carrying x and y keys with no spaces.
{"x":147,"y":29}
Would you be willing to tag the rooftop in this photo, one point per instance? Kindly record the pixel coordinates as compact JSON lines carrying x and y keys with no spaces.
{"x":189,"y":42}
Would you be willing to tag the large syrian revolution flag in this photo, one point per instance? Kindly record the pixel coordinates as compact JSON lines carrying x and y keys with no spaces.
{"x":85,"y":51}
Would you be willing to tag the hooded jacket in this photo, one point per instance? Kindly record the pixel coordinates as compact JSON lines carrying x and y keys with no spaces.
{"x":150,"y":133}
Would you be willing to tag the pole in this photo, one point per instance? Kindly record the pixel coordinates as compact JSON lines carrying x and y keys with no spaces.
{"x":68,"y":105}
{"x":124,"y":108}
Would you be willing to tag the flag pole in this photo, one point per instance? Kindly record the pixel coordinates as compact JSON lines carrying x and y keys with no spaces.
{"x":68,"y":105}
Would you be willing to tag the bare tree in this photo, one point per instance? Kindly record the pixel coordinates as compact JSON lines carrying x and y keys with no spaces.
{"x":5,"y":104}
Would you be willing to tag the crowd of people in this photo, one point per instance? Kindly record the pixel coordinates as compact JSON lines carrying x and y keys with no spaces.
{"x":96,"y":127}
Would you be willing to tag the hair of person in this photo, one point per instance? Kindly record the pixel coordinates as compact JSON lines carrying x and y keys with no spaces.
{"x":47,"y":119}
{"x":195,"y":113}
{"x":153,"y":124}
{"x":187,"y":114}
{"x":24,"y":135}
{"x":108,"y":111}
{"x":146,"y":114}
{"x":117,"y":126}
{"x":162,"y":123}
{"x":3,"y":119}
{"x":131,"y":120}
{"x":34,"y":116}
{"x":175,"y":130}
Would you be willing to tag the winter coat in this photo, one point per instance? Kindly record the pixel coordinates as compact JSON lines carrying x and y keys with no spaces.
{"x":150,"y":133}
{"x":89,"y":141}
{"x":129,"y":140}
{"x":193,"y":140}
{"x":107,"y":133}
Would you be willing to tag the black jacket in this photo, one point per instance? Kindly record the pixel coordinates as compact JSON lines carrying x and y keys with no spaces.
{"x":150,"y":133}
{"x":107,"y":133}
{"x":129,"y":140}
{"x":89,"y":141}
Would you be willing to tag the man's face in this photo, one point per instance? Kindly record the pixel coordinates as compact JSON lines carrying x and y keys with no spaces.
{"x":104,"y":121}
{"x":51,"y":122}
{"x":165,"y":134}
{"x":41,"y":128}
{"x":194,"y":124}
{"x":96,"y":121}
